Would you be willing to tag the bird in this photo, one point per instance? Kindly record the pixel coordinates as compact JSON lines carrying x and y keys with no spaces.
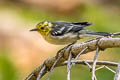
{"x":62,"y":32}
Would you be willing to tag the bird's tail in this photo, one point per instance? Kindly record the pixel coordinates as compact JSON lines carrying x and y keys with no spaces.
{"x":101,"y":33}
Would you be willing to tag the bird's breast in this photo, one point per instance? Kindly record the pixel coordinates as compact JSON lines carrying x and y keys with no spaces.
{"x":61,"y":40}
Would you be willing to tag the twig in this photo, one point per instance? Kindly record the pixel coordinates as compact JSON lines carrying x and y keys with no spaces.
{"x":53,"y":67}
{"x":100,"y":67}
{"x":79,"y":55}
{"x":104,"y":66}
{"x":88,"y":64}
{"x":117,"y":75}
{"x":95,"y":77}
{"x":117,"y":33}
{"x":41,"y":72}
{"x":94,"y":64}
{"x":68,"y":66}
{"x":29,"y":77}
{"x":110,"y":69}
{"x":108,"y":63}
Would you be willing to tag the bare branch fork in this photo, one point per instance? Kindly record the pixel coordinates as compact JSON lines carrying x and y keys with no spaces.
{"x":69,"y":52}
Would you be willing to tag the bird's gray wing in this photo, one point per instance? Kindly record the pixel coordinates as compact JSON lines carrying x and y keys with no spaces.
{"x":83,"y":24}
{"x":60,"y":28}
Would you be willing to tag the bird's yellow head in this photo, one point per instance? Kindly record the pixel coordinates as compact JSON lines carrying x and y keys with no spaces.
{"x":43,"y":28}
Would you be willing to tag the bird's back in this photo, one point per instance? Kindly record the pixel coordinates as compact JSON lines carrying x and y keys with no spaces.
{"x":61,"y":27}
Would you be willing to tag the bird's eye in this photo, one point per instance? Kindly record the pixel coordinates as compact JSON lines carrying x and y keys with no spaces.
{"x":42,"y":28}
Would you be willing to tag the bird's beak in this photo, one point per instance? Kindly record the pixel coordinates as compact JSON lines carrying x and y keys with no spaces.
{"x":33,"y":29}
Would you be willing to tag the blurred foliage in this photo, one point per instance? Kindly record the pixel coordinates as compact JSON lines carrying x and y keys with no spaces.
{"x":7,"y":70}
{"x":42,"y":15}
{"x":103,"y":19}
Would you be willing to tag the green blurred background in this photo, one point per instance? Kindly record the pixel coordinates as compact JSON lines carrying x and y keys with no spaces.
{"x":22,"y":51}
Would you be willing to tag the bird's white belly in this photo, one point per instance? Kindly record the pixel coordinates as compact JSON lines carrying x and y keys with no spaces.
{"x":61,"y":40}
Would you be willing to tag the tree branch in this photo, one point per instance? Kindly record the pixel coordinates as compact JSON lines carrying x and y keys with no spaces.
{"x":103,"y":43}
{"x":108,"y":63}
{"x":69,"y":66}
{"x":94,"y":64}
{"x":117,"y":75}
